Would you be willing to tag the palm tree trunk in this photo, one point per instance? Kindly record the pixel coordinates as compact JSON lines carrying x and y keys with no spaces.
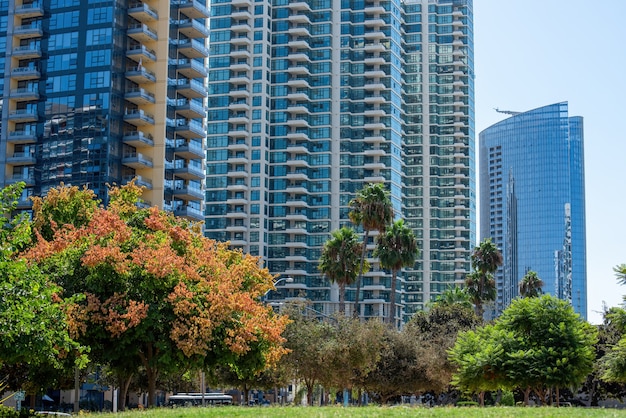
{"x":342,"y":298}
{"x":392,"y":299}
{"x":357,"y":311}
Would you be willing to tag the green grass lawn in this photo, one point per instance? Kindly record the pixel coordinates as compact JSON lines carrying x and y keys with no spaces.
{"x":370,"y":411}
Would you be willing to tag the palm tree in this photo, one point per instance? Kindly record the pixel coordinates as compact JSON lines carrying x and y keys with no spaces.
{"x":530,"y":286}
{"x":371,"y":209}
{"x":485,"y":259}
{"x":340,"y":260}
{"x":396,"y":248}
{"x":454,"y":295}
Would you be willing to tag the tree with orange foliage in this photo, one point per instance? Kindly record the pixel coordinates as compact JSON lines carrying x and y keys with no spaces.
{"x":157,"y":292}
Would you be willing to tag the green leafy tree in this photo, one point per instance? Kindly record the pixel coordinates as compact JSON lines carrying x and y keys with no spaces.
{"x":371,"y":209}
{"x":306,"y":340}
{"x":480,"y":284}
{"x":340,"y":261}
{"x":555,"y":346}
{"x":396,"y":248}
{"x":530,"y":286}
{"x":434,"y":332}
{"x":538,"y":344}
{"x":34,"y":336}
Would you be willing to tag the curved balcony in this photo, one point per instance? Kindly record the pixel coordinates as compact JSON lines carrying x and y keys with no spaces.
{"x":141,"y":53}
{"x":25,"y":73}
{"x":193,"y":29}
{"x":138,"y":117}
{"x":138,"y":139}
{"x":27,"y":52}
{"x":190,"y":129}
{"x":142,"y":33}
{"x":192,"y":48}
{"x":33,"y":30}
{"x":142,"y":12}
{"x":139,"y":96}
{"x":188,"y":193}
{"x":189,"y":172}
{"x":22,"y":137}
{"x":192,"y":9}
{"x":24,"y":115}
{"x":191,"y":89}
{"x":192,"y":69}
{"x":140,"y":75}
{"x":24,"y":94}
{"x":190,"y":109}
{"x":21,"y":158}
{"x":27,"y":10}
{"x":137,"y":160}
{"x":190,"y":150}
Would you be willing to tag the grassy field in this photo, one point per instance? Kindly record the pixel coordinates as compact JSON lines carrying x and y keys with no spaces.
{"x":397,"y":411}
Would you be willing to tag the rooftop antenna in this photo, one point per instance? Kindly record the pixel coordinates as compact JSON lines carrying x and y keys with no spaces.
{"x":508,"y":112}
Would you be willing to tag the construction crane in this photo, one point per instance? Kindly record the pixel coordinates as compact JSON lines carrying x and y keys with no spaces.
{"x":508,"y":112}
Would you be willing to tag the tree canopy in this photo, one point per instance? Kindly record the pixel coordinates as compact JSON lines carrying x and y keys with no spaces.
{"x":154,"y":290}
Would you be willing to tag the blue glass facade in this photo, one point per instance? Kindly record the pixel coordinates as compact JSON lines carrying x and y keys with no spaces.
{"x":533,"y":202}
{"x":309,"y":102}
{"x":101,"y":92}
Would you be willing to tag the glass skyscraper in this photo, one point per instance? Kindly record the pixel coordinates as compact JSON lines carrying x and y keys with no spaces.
{"x":532,"y":202}
{"x":309,"y":101}
{"x":99,"y":92}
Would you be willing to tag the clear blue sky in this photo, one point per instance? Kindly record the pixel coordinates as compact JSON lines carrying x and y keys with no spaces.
{"x":530,"y":53}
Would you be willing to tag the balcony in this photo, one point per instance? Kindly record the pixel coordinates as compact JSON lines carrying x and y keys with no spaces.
{"x":239,"y":92}
{"x":299,"y":31}
{"x":191,"y":89}
{"x":192,"y":69}
{"x":24,"y":94}
{"x":239,"y":53}
{"x":294,"y":136}
{"x":138,"y":117}
{"x":139,"y":181}
{"x":298,"y":44}
{"x":192,"y":48}
{"x":241,"y":14}
{"x":239,"y":106}
{"x":240,"y":27}
{"x":375,"y":34}
{"x":27,"y":10}
{"x":240,"y":40}
{"x":24,"y":115}
{"x":190,"y":213}
{"x":190,"y":109}
{"x":142,"y":12}
{"x":298,"y":58}
{"x":376,"y":22}
{"x":374,"y":47}
{"x":137,"y":160}
{"x":238,"y":133}
{"x":298,"y":123}
{"x":190,"y":172}
{"x":27,"y":178}
{"x":22,"y":137}
{"x":139,"y":53}
{"x":142,"y":33}
{"x":25,"y":73}
{"x":298,"y":96}
{"x":188,"y":193}
{"x":192,"y":9}
{"x":140,"y":75}
{"x":138,"y":139}
{"x":139,"y":96}
{"x":374,"y":61}
{"x":28,"y":31}
{"x":27,"y":52}
{"x":299,"y":18}
{"x":299,"y":5}
{"x":22,"y":158}
{"x":190,"y":129}
{"x":193,"y":29}
{"x":191,"y":150}
{"x":298,"y":83}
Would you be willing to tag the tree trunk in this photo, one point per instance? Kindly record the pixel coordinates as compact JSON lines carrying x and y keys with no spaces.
{"x":309,"y":394}
{"x":557,"y":394}
{"x":481,"y":398}
{"x":392,"y":300}
{"x":342,"y":298}
{"x":245,"y":395}
{"x":151,"y":374}
{"x":124,"y":385}
{"x":357,"y":311}
{"x":526,"y":396}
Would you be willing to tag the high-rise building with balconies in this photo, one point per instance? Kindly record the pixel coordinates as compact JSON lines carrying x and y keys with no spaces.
{"x":100,"y":92}
{"x":309,"y":101}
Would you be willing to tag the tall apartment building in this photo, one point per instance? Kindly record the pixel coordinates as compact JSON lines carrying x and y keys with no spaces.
{"x":309,"y":101}
{"x":103,"y":91}
{"x":532,"y":202}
